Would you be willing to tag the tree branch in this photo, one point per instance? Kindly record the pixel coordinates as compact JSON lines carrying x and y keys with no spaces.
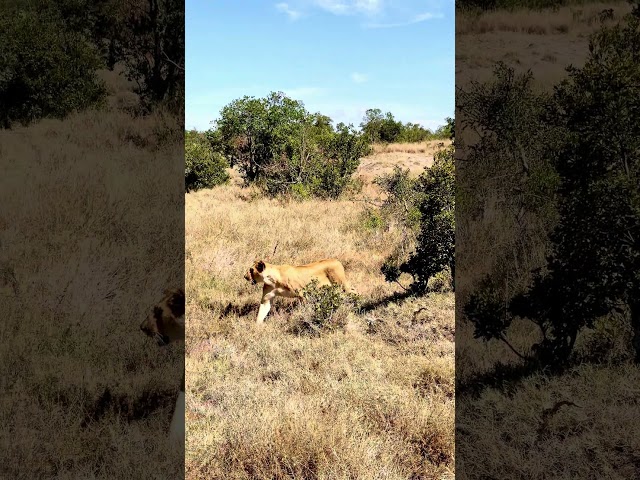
{"x":504,"y":339}
{"x":166,"y":57}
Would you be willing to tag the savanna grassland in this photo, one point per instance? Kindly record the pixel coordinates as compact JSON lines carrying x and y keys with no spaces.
{"x":84,"y":393}
{"x":545,"y":41}
{"x":371,"y":399}
{"x":514,"y":421}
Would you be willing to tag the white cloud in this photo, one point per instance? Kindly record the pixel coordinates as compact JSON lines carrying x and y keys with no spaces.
{"x":285,"y":8}
{"x":359,"y":77}
{"x":368,"y":6}
{"x":343,"y":7}
{"x":417,"y":19}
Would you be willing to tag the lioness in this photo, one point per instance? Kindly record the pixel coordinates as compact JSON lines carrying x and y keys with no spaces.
{"x":289,"y":280}
{"x":165,"y":324}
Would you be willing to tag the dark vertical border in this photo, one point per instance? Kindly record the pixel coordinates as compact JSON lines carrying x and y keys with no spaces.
{"x":91,"y":234}
{"x":545,"y":299}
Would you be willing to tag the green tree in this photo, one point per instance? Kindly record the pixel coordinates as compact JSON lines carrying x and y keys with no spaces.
{"x":204,"y":168}
{"x":380,"y":128}
{"x":436,"y":240}
{"x":427,"y":205}
{"x":372,"y":124}
{"x":47,"y":70}
{"x":592,"y":267}
{"x":153,"y":51}
{"x":275,"y":142}
{"x":595,"y":259}
{"x":255,"y":131}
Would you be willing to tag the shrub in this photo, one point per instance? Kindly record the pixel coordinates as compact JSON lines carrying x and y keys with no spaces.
{"x":426,"y":206}
{"x":441,"y":282}
{"x":325,"y":308}
{"x":278,"y":145}
{"x":371,"y":219}
{"x":47,"y":71}
{"x":386,"y":129}
{"x":204,"y":168}
{"x":591,"y":270}
{"x":436,"y":240}
{"x":595,"y":255}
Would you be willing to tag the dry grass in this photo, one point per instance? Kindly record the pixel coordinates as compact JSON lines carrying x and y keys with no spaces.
{"x":87,"y":226}
{"x":544,"y":41}
{"x":570,"y":19}
{"x":371,"y":400}
{"x":514,"y":431}
{"x":414,"y":156}
{"x":428,"y":147}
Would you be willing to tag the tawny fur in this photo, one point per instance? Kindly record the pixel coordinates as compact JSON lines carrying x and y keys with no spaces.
{"x":165,"y":323}
{"x":290,"y":280}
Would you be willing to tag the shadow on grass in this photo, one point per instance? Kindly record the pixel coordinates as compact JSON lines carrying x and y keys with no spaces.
{"x":396,"y":297}
{"x":126,"y":407}
{"x":233,"y":309}
{"x":247,"y":309}
{"x":502,"y":377}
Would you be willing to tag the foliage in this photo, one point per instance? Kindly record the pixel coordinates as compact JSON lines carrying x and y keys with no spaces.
{"x":275,"y":142}
{"x":325,"y":308}
{"x":47,"y":71}
{"x":51,"y":49}
{"x":204,"y":168}
{"x":595,"y":248}
{"x":425,"y":209}
{"x":402,"y":197}
{"x":441,"y":282}
{"x":153,"y":51}
{"x":399,"y":209}
{"x":386,"y":129}
{"x":507,"y":173}
{"x":436,"y":240}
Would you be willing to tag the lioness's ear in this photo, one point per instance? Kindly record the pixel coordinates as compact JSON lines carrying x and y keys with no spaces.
{"x":176,"y":302}
{"x":260,"y":266}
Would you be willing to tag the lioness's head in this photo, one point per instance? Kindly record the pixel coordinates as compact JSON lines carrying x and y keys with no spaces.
{"x":254,"y":274}
{"x":165,"y":323}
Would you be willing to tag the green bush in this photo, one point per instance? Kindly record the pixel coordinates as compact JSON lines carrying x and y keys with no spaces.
{"x":47,"y":70}
{"x":425,"y":209}
{"x":371,"y":219}
{"x":436,"y":240}
{"x":204,"y":168}
{"x":441,"y":282}
{"x":277,"y":144}
{"x":592,"y":165}
{"x":386,"y":129}
{"x":324,"y":308}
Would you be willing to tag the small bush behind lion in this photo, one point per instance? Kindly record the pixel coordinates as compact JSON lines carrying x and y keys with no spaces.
{"x":325,"y":308}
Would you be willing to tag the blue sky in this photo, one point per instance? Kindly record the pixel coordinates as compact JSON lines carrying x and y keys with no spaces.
{"x":340,"y":57}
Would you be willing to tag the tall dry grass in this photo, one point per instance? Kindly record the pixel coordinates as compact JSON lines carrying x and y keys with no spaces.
{"x":543,"y":41}
{"x":374,"y":399}
{"x":91,"y":234}
{"x":569,"y":19}
{"x":428,"y":147}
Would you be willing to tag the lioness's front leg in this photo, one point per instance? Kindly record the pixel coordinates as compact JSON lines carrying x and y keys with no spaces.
{"x":265,"y":304}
